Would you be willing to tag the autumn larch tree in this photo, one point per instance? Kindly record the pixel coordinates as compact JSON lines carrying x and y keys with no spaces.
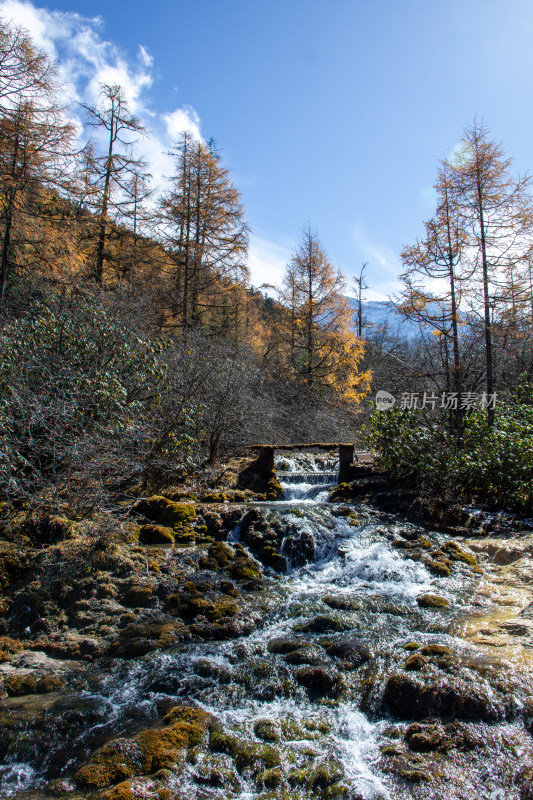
{"x":437,"y":257}
{"x":35,"y":143}
{"x":204,"y":231}
{"x":323,"y":349}
{"x":497,"y":212}
{"x":112,"y":174}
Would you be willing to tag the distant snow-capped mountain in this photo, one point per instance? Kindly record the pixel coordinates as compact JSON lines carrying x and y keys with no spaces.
{"x":378,"y":313}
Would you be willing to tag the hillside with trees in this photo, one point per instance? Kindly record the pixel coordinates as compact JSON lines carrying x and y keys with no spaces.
{"x":134,"y":349}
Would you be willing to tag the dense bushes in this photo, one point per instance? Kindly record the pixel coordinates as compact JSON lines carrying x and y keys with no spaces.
{"x":493,"y":466}
{"x":80,"y":400}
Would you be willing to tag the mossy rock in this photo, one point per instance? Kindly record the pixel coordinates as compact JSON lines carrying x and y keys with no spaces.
{"x":155,"y":534}
{"x":138,"y":596}
{"x":248,"y":756}
{"x":18,"y":685}
{"x":323,"y":624}
{"x":214,"y":497}
{"x":244,"y":568}
{"x":270,"y":557}
{"x":320,"y":681}
{"x":267,"y":730}
{"x":149,"y":751}
{"x":270,"y":778}
{"x":432,"y":601}
{"x":283,"y":645}
{"x":316,"y":777}
{"x":411,"y":646}
{"x":343,"y":603}
{"x":9,"y":647}
{"x":274,"y":489}
{"x":415,"y":662}
{"x":341,"y":492}
{"x":222,"y":554}
{"x":432,"y":649}
{"x":165,"y":512}
{"x":438,"y":568}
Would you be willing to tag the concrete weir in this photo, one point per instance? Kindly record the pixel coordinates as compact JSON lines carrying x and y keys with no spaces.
{"x":347,"y":456}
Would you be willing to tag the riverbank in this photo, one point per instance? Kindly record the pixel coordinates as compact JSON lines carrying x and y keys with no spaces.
{"x":274,"y":649}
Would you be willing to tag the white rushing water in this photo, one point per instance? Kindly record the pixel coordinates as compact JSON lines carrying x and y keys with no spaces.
{"x":243,"y":682}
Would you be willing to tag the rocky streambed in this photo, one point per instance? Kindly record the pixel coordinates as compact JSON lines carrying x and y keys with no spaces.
{"x":266,"y":649}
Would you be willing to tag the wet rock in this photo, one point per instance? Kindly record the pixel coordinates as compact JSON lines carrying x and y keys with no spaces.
{"x":323,"y":624}
{"x":298,"y":546}
{"x":267,"y":730}
{"x":248,"y":756}
{"x":408,"y":698}
{"x":352,"y":651}
{"x":244,"y":568}
{"x":307,"y":654}
{"x":455,"y":553}
{"x":432,"y":601}
{"x":415,"y":662}
{"x":439,"y":568}
{"x":433,"y":649}
{"x":208,"y":669}
{"x":343,"y":603}
{"x":283,"y":645}
{"x":138,"y":595}
{"x":149,"y":751}
{"x":23,"y":683}
{"x":434,"y":736}
{"x":320,"y":681}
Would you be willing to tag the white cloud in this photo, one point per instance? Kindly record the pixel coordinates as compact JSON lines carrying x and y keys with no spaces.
{"x":267,"y":261}
{"x":86,"y":60}
{"x":146,"y":59}
{"x":183,"y":120}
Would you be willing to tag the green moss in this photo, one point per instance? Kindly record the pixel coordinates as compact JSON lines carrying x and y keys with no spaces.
{"x":9,"y":647}
{"x":432,"y":601}
{"x":436,"y":650}
{"x":248,"y":756}
{"x":137,"y":596}
{"x":391,"y":750}
{"x":270,"y":778}
{"x":421,"y":541}
{"x":411,"y":646}
{"x":114,"y":762}
{"x":214,"y":497}
{"x":274,"y":489}
{"x":415,"y":662}
{"x":221,"y":553}
{"x":439,"y":568}
{"x":267,"y":730}
{"x":149,"y":751}
{"x":244,"y":568}
{"x":340,"y":492}
{"x":155,"y":534}
{"x":165,"y":512}
{"x":18,"y":685}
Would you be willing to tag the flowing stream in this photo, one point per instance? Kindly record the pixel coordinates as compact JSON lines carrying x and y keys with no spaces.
{"x":357,"y":595}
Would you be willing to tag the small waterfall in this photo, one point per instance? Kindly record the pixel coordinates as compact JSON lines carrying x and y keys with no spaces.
{"x":307,"y":486}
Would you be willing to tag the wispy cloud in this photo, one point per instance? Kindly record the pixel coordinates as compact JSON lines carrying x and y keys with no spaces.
{"x":86,"y":60}
{"x":267,"y":261}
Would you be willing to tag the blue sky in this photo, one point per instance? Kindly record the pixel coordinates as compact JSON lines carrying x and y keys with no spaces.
{"x":334,"y":112}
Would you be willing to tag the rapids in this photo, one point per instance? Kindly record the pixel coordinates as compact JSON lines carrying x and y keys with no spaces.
{"x":359,"y":591}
